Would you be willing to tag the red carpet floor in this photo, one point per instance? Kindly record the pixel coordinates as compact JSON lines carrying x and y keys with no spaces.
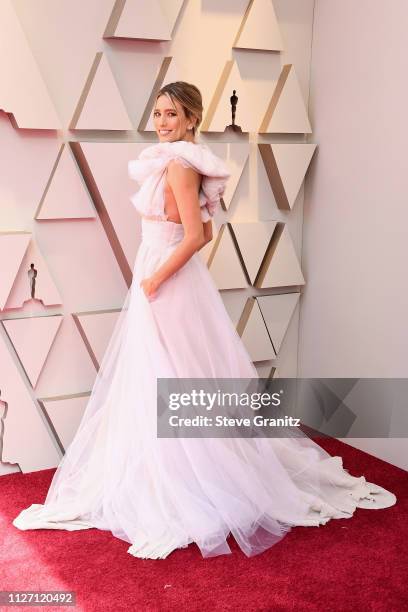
{"x":355,"y":564}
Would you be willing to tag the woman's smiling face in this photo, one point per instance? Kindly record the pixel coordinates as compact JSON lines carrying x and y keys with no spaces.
{"x":170,"y":121}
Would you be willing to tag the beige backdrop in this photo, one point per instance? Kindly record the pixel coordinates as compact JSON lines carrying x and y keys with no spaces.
{"x":65,"y":192}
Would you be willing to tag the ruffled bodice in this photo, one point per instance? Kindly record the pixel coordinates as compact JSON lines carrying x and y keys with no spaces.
{"x":149,"y":171}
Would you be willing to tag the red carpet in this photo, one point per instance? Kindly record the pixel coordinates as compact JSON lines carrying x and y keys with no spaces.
{"x":349,"y":564}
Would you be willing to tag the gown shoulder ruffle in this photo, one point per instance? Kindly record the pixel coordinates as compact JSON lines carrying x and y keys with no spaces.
{"x":148,"y":171}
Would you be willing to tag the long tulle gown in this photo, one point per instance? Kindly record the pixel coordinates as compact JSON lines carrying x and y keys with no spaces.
{"x":161,"y":494}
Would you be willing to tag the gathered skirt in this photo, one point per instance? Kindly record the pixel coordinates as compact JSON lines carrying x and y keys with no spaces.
{"x":160,"y":494}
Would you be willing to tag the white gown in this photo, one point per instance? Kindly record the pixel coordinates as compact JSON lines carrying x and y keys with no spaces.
{"x":161,"y":494}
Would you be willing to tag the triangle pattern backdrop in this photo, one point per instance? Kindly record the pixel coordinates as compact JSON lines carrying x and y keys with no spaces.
{"x":277,"y":311}
{"x":252,"y":329}
{"x":96,"y":329}
{"x":218,"y":114}
{"x":13,"y":246}
{"x":259,"y":28}
{"x":65,"y":414}
{"x":280,"y":267}
{"x":32,"y":338}
{"x":130,"y":19}
{"x":253,"y":240}
{"x":286,"y":165}
{"x":66,"y":195}
{"x":26,"y":439}
{"x":21,"y":77}
{"x":224,"y":263}
{"x":45,"y":289}
{"x":100,"y":106}
{"x":286,"y":112}
{"x":243,"y":256}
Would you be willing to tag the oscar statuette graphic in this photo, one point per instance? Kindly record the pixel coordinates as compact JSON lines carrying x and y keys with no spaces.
{"x":32,"y":275}
{"x":233,"y":101}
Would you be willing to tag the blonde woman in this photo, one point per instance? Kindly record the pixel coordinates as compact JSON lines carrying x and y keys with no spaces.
{"x":161,"y":494}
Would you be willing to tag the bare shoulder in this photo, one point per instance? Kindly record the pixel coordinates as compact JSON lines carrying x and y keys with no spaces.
{"x":181,"y":172}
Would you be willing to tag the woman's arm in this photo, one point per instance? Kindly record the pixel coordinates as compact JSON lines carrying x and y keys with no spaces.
{"x":208,"y":234}
{"x":184,"y":183}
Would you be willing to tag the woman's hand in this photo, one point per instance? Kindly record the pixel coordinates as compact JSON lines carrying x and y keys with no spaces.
{"x":149,"y":285}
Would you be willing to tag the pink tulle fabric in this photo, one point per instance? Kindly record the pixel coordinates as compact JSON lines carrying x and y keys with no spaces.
{"x":161,"y":494}
{"x":149,"y":171}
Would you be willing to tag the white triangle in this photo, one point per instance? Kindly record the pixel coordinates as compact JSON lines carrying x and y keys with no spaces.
{"x":225,"y":266}
{"x":261,"y":29}
{"x":171,"y":9}
{"x":255,"y":336}
{"x":253,"y":240}
{"x":103,"y":108}
{"x":45,"y":289}
{"x":284,"y":269}
{"x":67,"y":196}
{"x":65,"y":414}
{"x":277,"y":311}
{"x":98,"y":328}
{"x":32,"y":338}
{"x":289,"y":115}
{"x":218,"y":115}
{"x":143,"y":22}
{"x":293,"y":161}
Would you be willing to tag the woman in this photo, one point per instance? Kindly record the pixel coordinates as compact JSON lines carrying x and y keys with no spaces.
{"x":161,"y":494}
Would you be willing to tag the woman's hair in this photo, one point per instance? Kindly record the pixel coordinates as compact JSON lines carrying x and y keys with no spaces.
{"x":189,"y":96}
